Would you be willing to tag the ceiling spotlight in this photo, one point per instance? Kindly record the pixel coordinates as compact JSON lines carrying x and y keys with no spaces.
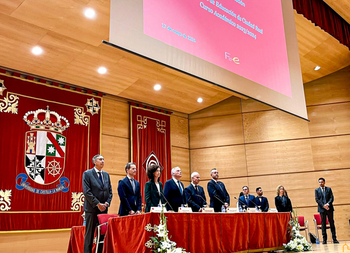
{"x":37,"y":50}
{"x":157,"y":87}
{"x":200,"y":100}
{"x":102,"y":70}
{"x":317,"y":68}
{"x":90,"y":13}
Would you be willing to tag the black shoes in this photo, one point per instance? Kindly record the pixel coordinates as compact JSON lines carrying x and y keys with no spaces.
{"x":324,"y":242}
{"x":335,"y":241}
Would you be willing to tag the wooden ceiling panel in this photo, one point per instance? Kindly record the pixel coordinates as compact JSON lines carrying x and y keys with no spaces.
{"x":73,"y":51}
{"x":342,"y":7}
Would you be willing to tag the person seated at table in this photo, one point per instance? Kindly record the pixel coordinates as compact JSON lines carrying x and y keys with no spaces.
{"x":194,"y":194}
{"x":282,"y":201}
{"x":153,"y":188}
{"x":246,"y":200}
{"x":261,"y":201}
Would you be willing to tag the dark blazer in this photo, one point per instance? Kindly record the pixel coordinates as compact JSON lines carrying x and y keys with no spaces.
{"x":128,"y":199}
{"x":264,"y":204}
{"x":319,"y":199}
{"x":195,"y":200}
{"x":152,"y":195}
{"x":173,"y":195}
{"x":250,"y":203}
{"x":94,"y":192}
{"x":280,"y":207}
{"x":218,"y":195}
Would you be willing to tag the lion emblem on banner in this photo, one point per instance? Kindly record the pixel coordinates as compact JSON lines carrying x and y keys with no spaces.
{"x":45,"y":150}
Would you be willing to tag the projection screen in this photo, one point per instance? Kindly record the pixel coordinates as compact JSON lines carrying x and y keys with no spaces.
{"x":246,"y":46}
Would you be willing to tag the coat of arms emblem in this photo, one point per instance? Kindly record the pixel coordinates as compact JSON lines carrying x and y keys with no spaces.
{"x":45,"y":147}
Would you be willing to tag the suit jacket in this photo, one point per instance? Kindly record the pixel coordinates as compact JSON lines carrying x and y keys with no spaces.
{"x":195,"y":200}
{"x":280,"y":207}
{"x":321,"y":202}
{"x":264,"y":204}
{"x":152,"y":195}
{"x":94,"y":191}
{"x":129,"y":200}
{"x":173,"y":195}
{"x":218,"y":195}
{"x":250,"y":203}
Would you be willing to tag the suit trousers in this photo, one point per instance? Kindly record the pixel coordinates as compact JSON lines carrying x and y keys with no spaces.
{"x":324,"y":215}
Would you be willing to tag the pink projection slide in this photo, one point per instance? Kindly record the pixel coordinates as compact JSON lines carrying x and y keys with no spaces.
{"x":245,"y":37}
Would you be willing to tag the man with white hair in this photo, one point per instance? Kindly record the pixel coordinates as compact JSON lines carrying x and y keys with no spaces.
{"x":194,"y":194}
{"x":174,"y":190}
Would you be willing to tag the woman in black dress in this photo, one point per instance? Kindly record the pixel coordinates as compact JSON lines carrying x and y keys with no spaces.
{"x":153,"y":188}
{"x":282,"y":201}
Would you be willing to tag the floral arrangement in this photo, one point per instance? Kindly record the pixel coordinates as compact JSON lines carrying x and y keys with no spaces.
{"x":298,"y":243}
{"x":161,"y":243}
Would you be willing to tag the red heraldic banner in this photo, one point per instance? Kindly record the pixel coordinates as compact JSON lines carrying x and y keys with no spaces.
{"x":48,"y":138}
{"x":150,"y":140}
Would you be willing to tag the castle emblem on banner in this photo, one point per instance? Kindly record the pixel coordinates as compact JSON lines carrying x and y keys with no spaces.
{"x":45,"y":151}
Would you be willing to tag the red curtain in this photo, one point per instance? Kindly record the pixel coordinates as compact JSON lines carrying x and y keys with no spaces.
{"x":322,"y":15}
{"x":150,"y":142}
{"x":48,"y":136}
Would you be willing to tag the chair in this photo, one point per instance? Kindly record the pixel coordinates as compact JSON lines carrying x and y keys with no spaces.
{"x":318,"y":224}
{"x":304,"y":226}
{"x":102,"y":228}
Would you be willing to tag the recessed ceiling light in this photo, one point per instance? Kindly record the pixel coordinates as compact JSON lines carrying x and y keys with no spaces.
{"x":90,"y":13}
{"x":157,"y":87}
{"x":200,"y":100}
{"x":102,"y":70}
{"x":317,"y":68}
{"x":37,"y":50}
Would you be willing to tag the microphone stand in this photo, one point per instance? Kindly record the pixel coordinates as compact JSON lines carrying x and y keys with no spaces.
{"x":201,"y":198}
{"x":244,"y":205}
{"x":167,"y":201}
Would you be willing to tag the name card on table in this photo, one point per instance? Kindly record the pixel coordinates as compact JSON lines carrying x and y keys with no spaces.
{"x":157,"y":209}
{"x":232,"y":210}
{"x":208,"y":210}
{"x":185,"y":210}
{"x":251,"y":210}
{"x":273,"y":210}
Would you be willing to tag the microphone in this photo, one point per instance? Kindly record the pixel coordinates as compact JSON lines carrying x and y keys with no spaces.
{"x":167,"y":201}
{"x":243,"y":203}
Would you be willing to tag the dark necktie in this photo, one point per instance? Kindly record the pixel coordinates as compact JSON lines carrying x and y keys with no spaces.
{"x":246,"y":199}
{"x":100,"y":177}
{"x":133,"y":184}
{"x":178,"y":182}
{"x":196,"y":188}
{"x":324,"y":195}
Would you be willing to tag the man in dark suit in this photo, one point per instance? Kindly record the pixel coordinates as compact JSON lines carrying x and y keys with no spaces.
{"x":246,"y":200}
{"x":174,"y":190}
{"x":324,"y":198}
{"x":217,"y":192}
{"x":129,"y":192}
{"x":194,"y":194}
{"x":261,"y":201}
{"x":98,"y":196}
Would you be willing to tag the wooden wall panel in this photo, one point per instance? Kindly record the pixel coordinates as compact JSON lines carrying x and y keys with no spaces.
{"x":231,"y":105}
{"x":116,"y":152}
{"x":273,"y":125}
{"x":230,"y":161}
{"x":251,"y":105}
{"x":279,"y":157}
{"x":327,"y":120}
{"x":35,"y":242}
{"x":330,"y":89}
{"x":216,"y":131}
{"x":114,"y":208}
{"x":181,"y":157}
{"x":179,"y":131}
{"x":115,"y":118}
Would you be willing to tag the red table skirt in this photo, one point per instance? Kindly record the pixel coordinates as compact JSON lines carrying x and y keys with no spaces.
{"x":76,"y":240}
{"x":201,"y":232}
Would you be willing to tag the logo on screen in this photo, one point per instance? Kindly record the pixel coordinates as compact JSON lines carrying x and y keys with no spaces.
{"x":233,"y":59}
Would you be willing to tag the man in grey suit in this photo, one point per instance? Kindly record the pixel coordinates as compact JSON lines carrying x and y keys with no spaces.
{"x":324,"y":198}
{"x":98,"y":196}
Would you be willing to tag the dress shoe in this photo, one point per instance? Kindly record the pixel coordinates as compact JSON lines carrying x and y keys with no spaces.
{"x":324,"y":242}
{"x":335,"y":241}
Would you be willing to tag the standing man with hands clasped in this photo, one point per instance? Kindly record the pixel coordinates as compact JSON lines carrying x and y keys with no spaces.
{"x":97,"y":190}
{"x":194,"y":194}
{"x":129,"y":192}
{"x":174,"y":190}
{"x":217,"y":192}
{"x":324,"y":198}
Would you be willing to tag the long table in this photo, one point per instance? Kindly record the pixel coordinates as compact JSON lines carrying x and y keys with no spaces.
{"x":201,"y":232}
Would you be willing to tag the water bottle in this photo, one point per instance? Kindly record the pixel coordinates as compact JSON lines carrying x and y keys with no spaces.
{"x":223,"y":209}
{"x":317,"y":241}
